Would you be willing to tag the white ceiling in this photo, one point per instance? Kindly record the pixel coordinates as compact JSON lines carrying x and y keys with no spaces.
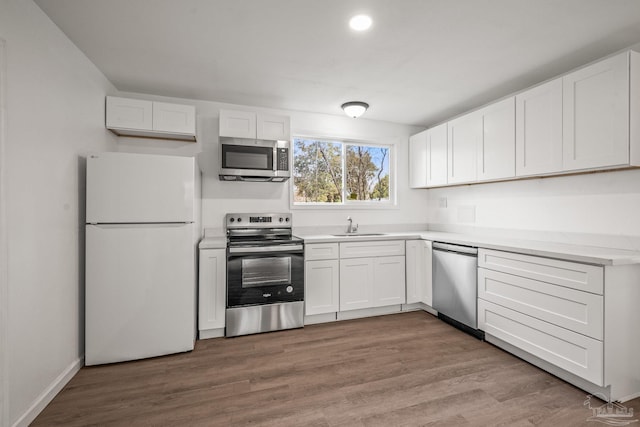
{"x":420,"y":63}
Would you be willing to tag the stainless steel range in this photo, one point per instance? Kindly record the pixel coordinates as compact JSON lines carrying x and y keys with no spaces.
{"x":265,"y":274}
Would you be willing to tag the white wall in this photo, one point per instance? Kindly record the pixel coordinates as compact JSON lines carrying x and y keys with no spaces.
{"x":55,"y":114}
{"x":221,"y":197}
{"x":599,"y":208}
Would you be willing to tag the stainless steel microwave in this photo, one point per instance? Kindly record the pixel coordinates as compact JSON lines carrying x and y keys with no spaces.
{"x":254,"y":160}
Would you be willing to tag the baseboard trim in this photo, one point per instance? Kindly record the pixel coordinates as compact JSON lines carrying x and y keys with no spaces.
{"x":49,"y":393}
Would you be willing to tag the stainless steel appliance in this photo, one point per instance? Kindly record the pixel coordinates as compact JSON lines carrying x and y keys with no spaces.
{"x":265,"y":274}
{"x":455,"y":289}
{"x":254,"y":160}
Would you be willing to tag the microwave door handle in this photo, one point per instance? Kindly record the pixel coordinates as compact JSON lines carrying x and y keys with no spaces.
{"x":274,"y":159}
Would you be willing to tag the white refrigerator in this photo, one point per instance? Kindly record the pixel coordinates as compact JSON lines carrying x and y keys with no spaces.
{"x":142,"y":230}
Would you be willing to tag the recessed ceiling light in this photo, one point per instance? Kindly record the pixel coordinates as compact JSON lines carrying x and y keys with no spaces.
{"x":360,"y":22}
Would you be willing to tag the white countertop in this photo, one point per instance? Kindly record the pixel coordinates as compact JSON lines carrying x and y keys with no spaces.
{"x":579,"y":253}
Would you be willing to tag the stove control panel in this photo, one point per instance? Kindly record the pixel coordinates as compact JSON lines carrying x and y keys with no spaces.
{"x":258,"y":220}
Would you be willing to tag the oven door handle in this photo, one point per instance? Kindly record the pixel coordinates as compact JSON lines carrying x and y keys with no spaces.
{"x":263,"y":249}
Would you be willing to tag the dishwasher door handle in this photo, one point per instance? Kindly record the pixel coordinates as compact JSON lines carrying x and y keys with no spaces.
{"x":465,"y":250}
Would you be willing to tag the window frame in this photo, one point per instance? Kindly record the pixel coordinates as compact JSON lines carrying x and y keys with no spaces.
{"x":346,"y":204}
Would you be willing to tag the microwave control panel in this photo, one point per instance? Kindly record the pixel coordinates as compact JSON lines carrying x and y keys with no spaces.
{"x":283,"y":159}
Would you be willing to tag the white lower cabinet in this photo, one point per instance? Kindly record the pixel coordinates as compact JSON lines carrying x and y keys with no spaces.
{"x":322,"y":286}
{"x":573,"y":352}
{"x":371,"y":282}
{"x":576,"y":320}
{"x":321,"y":278}
{"x":418,"y":272}
{"x":212,"y":293}
{"x":372,"y":274}
{"x":356,"y":283}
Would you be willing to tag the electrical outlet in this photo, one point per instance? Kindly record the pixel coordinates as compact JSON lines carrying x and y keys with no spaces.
{"x":442,"y":202}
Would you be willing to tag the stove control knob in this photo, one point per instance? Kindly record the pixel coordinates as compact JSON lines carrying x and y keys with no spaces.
{"x":232,"y":219}
{"x":289,"y":289}
{"x":280,"y":219}
{"x":287,"y":219}
{"x":239,"y":219}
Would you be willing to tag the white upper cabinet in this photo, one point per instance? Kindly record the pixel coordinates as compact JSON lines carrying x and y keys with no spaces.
{"x":273,"y":128}
{"x":539,"y":129}
{"x":137,"y":117}
{"x":437,"y":155}
{"x":428,"y":157}
{"x":496,"y":148}
{"x":464,"y":137}
{"x":125,"y":113}
{"x":418,"y":160}
{"x":596,"y":115}
{"x":174,"y":118}
{"x":243,"y":124}
{"x":237,"y":124}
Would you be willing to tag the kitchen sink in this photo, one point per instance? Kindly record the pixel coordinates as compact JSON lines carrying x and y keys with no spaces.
{"x":358,"y":234}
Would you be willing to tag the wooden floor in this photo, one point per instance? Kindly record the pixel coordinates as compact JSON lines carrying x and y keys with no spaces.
{"x":406,"y":369}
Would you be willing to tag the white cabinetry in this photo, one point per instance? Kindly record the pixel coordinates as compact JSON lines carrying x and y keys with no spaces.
{"x":372,"y":274}
{"x":321,"y":282}
{"x":244,"y":124}
{"x":496,"y":150}
{"x":482,"y":144}
{"x":585,"y":120}
{"x":437,"y":155}
{"x":539,"y":129}
{"x":464,"y":136}
{"x":418,"y":160}
{"x":570,"y":318}
{"x":137,"y":117}
{"x":418,"y":272}
{"x":428,"y":157}
{"x":212,"y":293}
{"x":596,"y":115}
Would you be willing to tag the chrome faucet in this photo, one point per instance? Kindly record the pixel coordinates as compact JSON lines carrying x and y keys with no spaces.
{"x":351,"y":228}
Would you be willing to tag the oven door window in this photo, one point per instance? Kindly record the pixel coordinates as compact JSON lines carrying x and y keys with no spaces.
{"x":269,"y":271}
{"x":247,"y":157}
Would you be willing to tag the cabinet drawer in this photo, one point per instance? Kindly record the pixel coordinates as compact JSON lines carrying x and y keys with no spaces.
{"x":372,"y":249}
{"x":578,"y":311}
{"x":573,"y":352}
{"x":318,"y":251}
{"x":583,"y":277}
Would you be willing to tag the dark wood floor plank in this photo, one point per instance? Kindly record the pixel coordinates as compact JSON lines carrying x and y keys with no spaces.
{"x":408,"y":369}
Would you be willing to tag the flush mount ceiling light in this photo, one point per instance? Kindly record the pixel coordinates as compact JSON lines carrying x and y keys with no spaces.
{"x":360,"y":22}
{"x":355,"y":108}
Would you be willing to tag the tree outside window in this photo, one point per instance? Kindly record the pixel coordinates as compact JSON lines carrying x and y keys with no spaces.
{"x":337,"y":172}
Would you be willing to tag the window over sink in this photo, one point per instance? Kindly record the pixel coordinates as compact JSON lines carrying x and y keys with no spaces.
{"x":333,"y":172}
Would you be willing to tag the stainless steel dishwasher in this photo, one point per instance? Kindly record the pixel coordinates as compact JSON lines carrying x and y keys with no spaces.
{"x":455,"y":286}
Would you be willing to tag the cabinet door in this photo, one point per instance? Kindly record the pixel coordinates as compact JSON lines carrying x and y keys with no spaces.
{"x":272,"y":127}
{"x":437,"y":155}
{"x":356,"y":283}
{"x":414,"y":270}
{"x":174,"y":118}
{"x":596,"y":115}
{"x":539,"y":129}
{"x":237,"y":124}
{"x":418,"y":160}
{"x":321,"y":281}
{"x":126,"y":113}
{"x":212,"y":289}
{"x":464,"y":135}
{"x":496,"y":149}
{"x":573,"y":352}
{"x":389,"y":281}
{"x":427,"y":271}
